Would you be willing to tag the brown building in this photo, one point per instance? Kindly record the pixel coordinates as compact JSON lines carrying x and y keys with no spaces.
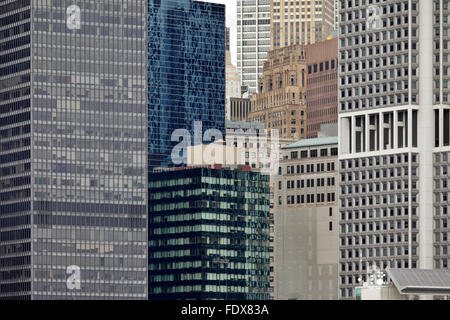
{"x":281,"y":101}
{"x":297,"y":22}
{"x":322,"y":85}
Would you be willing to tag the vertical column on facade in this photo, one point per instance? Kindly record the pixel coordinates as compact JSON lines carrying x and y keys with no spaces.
{"x":367,"y":132}
{"x":381,"y":130}
{"x":344,"y":133}
{"x":446,"y":126}
{"x":410,"y":128}
{"x":388,"y":127}
{"x":395,"y":129}
{"x":441,"y":126}
{"x":426,"y":134}
{"x":406,"y":125}
{"x":359,"y":138}
{"x":353,"y":133}
{"x":402,"y":126}
{"x":410,"y":145}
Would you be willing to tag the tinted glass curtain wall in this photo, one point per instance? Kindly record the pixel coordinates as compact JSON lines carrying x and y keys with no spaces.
{"x":209,"y":233}
{"x":73,"y":149}
{"x":186,"y":71}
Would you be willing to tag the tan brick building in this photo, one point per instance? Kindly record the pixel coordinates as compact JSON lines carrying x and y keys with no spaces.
{"x":281,"y":101}
{"x":300,"y":22}
{"x":322,"y":85}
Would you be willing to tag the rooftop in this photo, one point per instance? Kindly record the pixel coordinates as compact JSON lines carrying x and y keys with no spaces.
{"x":312,"y":142}
{"x":244,"y":125}
{"x":416,"y":281}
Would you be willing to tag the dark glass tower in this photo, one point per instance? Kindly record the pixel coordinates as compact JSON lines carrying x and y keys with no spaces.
{"x":73,"y":156}
{"x":209,"y":234}
{"x":186,"y":46}
{"x":15,"y":150}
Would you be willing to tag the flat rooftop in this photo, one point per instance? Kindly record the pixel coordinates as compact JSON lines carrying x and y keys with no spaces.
{"x":420,"y":281}
{"x":314,"y":142}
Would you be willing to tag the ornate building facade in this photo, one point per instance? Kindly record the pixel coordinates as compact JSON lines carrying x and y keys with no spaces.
{"x":281,"y":101}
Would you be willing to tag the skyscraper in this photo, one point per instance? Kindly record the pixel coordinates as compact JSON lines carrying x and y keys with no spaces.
{"x":253,"y":40}
{"x":394,"y":137}
{"x":301,"y":22}
{"x":73,"y":155}
{"x":186,"y":71}
{"x":209,"y":234}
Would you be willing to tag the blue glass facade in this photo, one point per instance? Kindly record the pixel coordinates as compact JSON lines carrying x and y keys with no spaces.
{"x":186,"y":71}
{"x":209,"y":235}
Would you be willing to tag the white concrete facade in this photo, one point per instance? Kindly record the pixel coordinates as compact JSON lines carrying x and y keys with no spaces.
{"x":394,"y":137}
{"x":426,"y":125}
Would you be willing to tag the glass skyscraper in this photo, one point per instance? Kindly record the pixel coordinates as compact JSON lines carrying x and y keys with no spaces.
{"x":209,"y":234}
{"x":73,"y":156}
{"x":186,"y":71}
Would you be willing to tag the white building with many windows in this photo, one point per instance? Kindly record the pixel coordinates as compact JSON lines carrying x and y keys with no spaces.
{"x":394,"y":147}
{"x":253,"y":40}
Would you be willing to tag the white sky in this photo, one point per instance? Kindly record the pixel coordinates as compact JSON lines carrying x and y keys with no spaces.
{"x":231,"y":7}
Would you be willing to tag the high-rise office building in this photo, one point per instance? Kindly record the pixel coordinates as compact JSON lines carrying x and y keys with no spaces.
{"x":186,"y":52}
{"x":233,"y":81}
{"x":209,"y":234}
{"x":281,"y":101}
{"x":394,"y":137}
{"x":73,"y":157}
{"x":301,"y":22}
{"x":253,"y":40}
{"x":306,"y":221}
{"x":321,"y":85}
